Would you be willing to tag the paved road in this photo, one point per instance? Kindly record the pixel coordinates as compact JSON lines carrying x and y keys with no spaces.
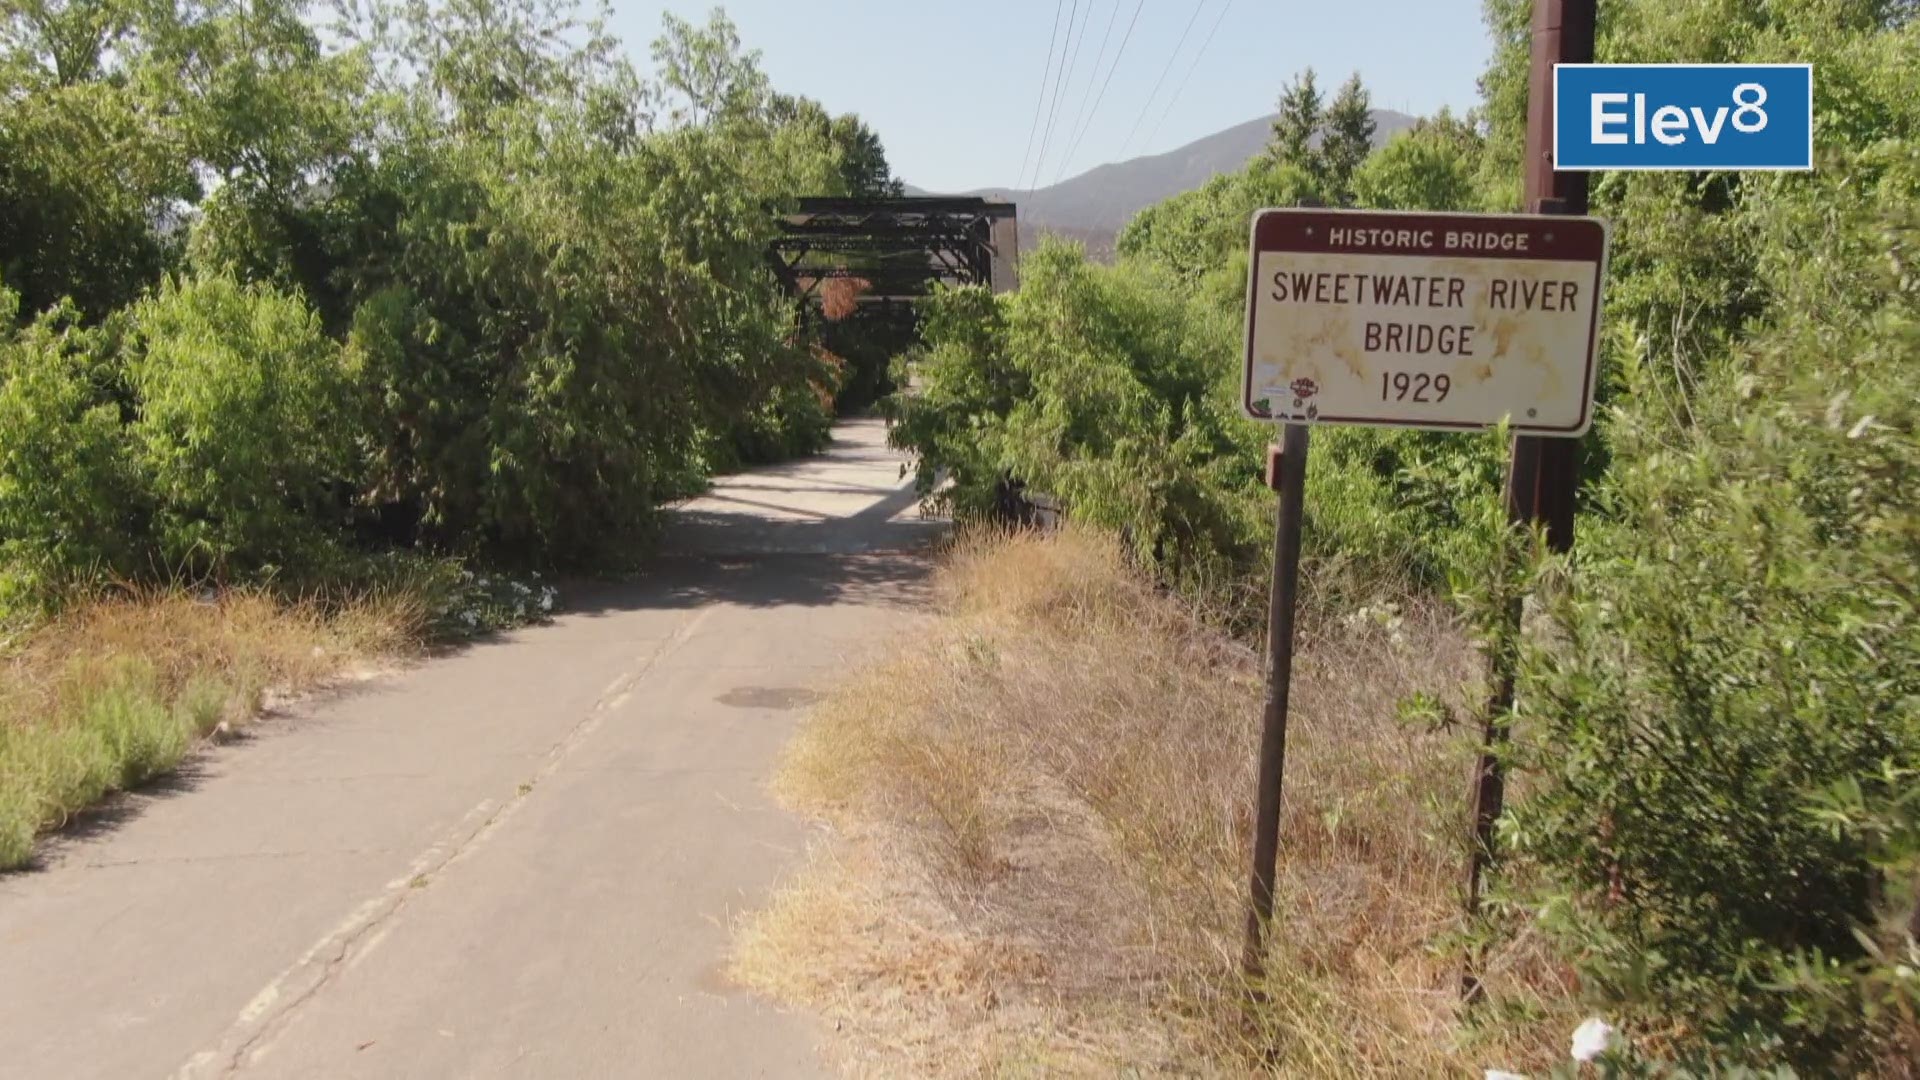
{"x":518,"y":860}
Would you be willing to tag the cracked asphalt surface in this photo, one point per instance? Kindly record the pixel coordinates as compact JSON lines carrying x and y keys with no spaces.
{"x":520,"y":859}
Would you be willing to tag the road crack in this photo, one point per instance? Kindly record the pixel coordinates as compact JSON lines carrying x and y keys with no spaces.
{"x":276,"y":1006}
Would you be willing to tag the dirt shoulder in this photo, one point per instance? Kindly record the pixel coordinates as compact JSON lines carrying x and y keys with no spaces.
{"x":1036,"y":820}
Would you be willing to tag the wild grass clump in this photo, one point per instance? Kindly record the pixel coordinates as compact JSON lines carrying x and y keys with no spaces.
{"x":1056,"y":785}
{"x":119,"y":688}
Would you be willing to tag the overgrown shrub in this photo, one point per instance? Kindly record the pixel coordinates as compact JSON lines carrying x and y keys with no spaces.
{"x":1116,"y":390}
{"x":243,"y":424}
{"x":1099,"y":387}
{"x":435,"y":287}
{"x":1728,"y":710}
{"x":797,"y":416}
{"x":69,"y":502}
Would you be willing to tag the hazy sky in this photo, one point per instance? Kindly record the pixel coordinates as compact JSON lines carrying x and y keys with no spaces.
{"x":951,"y":86}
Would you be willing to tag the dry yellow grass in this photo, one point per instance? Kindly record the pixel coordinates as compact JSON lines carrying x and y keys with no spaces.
{"x":120,"y":688}
{"x":1040,"y":820}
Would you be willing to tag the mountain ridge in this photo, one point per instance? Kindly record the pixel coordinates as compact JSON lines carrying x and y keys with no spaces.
{"x":1095,"y":205}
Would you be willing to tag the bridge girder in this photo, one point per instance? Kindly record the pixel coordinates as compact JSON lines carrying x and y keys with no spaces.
{"x":901,"y":248}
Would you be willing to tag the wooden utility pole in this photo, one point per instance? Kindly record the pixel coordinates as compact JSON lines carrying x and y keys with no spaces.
{"x":1542,"y":473}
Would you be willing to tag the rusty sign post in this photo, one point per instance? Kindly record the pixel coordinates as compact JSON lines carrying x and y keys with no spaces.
{"x":1444,"y":322}
{"x":1288,"y":476}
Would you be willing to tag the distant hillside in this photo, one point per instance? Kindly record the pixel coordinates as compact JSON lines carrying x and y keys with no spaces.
{"x":1093,"y":206}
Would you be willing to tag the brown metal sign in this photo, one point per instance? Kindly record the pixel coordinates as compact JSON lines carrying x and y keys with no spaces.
{"x":1440,"y":321}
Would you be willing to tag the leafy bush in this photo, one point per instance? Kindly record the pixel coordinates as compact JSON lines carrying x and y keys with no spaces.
{"x":796,"y":418}
{"x":1730,"y":701}
{"x":1116,"y":390}
{"x":540,"y":303}
{"x":1429,"y":167}
{"x":1100,"y":387}
{"x":1720,"y":713}
{"x":243,"y":423}
{"x":69,"y":504}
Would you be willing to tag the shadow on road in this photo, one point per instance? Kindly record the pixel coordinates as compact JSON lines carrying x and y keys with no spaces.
{"x":762,"y":580}
{"x":102,"y":818}
{"x":779,"y":536}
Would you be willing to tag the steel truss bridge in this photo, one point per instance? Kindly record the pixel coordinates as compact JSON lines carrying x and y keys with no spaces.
{"x":896,"y":250}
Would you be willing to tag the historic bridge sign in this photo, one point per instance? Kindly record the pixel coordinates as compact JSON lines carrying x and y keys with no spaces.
{"x":1442,"y":321}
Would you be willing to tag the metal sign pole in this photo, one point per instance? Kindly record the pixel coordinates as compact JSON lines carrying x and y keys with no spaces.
{"x":1543,"y":473}
{"x":1292,"y":484}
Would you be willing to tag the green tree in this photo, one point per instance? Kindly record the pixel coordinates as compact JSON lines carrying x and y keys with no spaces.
{"x":118,"y":115}
{"x":863,"y":160}
{"x":1432,"y":166}
{"x":1346,"y":136}
{"x":705,"y":75}
{"x":1298,"y":125}
{"x":86,"y":181}
{"x":54,"y":43}
{"x":88,"y":165}
{"x":1503,"y":101}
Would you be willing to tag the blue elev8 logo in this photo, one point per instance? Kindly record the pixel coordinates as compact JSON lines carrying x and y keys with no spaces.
{"x":1682,"y":116}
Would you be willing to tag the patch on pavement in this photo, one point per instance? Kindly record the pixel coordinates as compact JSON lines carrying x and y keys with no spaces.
{"x":768,"y":697}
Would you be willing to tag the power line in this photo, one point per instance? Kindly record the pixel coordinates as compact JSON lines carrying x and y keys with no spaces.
{"x":1093,"y":76}
{"x":1040,"y":103}
{"x":1182,"y":88}
{"x":1164,"y":72}
{"x":1102,"y":95}
{"x":1062,"y":74}
{"x":1046,"y":94}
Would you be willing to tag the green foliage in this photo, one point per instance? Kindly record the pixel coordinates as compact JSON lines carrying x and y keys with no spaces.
{"x":1731,"y":697}
{"x":1126,"y":422}
{"x":115,"y":113}
{"x":1197,"y":233}
{"x":1503,"y":102}
{"x":1301,"y":112}
{"x":861,"y":160}
{"x":1115,"y":390}
{"x":1720,"y":712}
{"x":1326,"y":141}
{"x":571,"y":319}
{"x":82,"y":176}
{"x":1429,"y":167}
{"x":462,"y":279}
{"x":1346,"y":134}
{"x":1385,"y":508}
{"x":68,"y":500}
{"x":955,"y":390}
{"x":243,"y":422}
